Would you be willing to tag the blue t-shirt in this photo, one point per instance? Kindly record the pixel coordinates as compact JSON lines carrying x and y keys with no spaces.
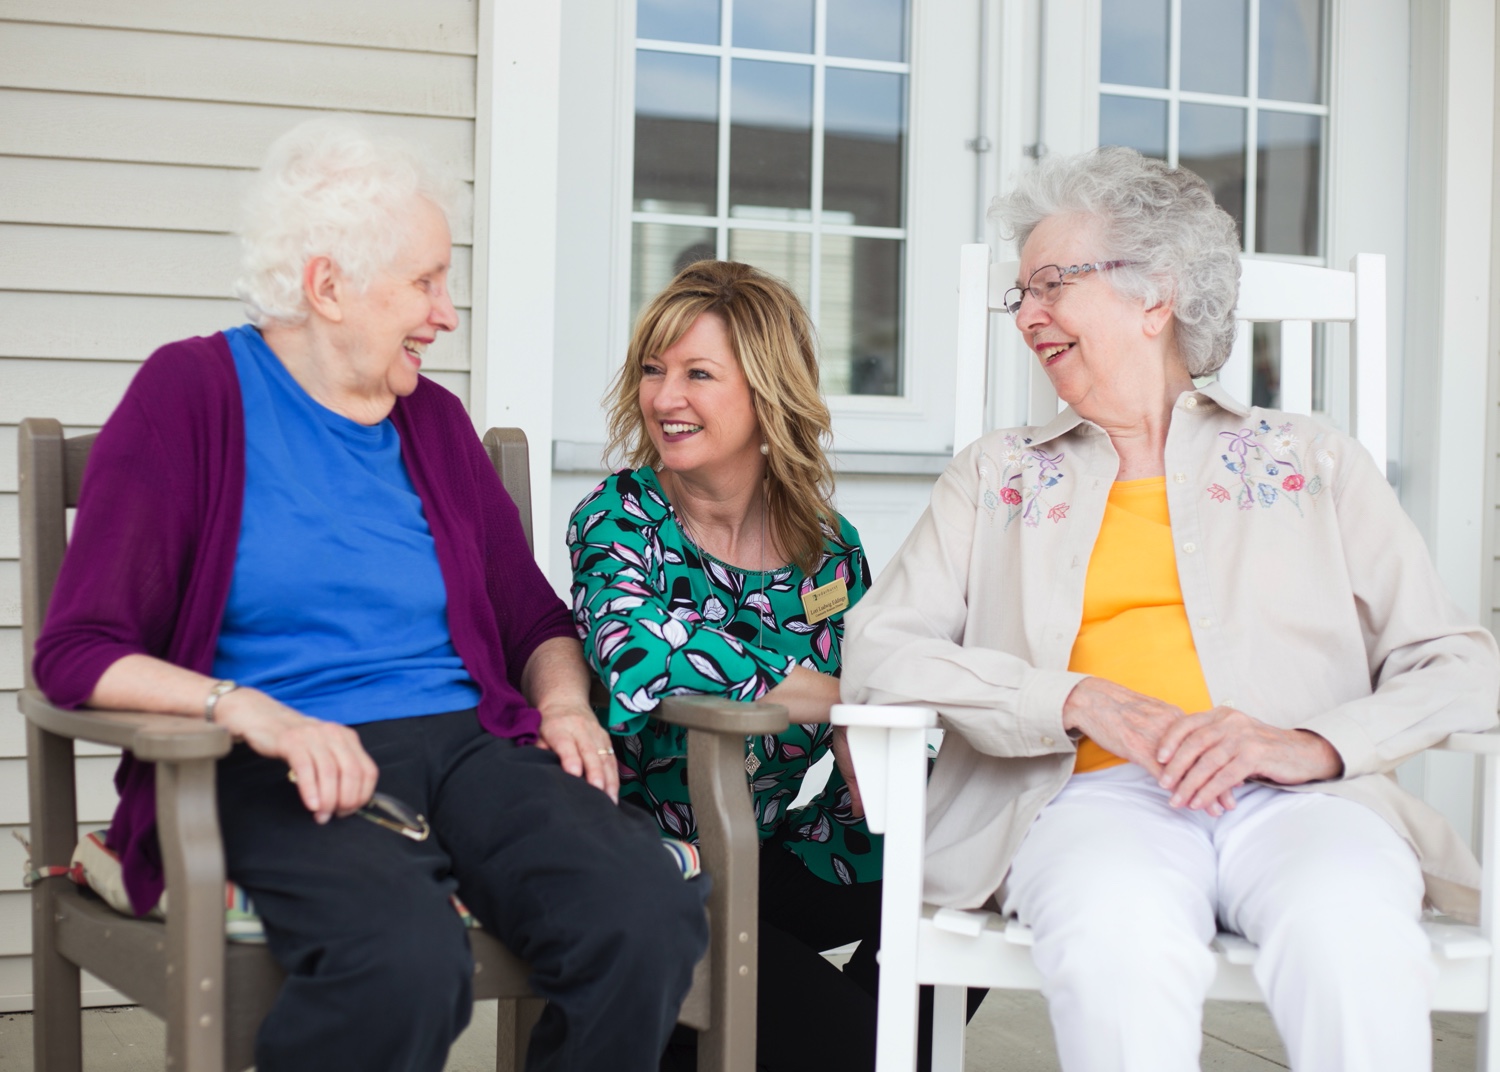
{"x":337,"y":607}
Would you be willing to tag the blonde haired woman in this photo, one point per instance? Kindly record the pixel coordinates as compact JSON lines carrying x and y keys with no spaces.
{"x":717,"y":565}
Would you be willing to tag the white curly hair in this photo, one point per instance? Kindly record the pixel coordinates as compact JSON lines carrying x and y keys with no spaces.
{"x":329,"y":187}
{"x":1181,"y":245}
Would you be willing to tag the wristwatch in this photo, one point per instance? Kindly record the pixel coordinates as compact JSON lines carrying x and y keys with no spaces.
{"x":219,"y":690}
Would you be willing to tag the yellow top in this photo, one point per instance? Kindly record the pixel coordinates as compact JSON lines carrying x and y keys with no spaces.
{"x":1135,"y":629}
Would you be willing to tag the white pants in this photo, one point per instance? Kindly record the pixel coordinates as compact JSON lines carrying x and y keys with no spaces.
{"x":1121,"y":891}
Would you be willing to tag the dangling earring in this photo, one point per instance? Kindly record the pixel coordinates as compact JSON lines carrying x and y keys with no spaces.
{"x":764,"y":448}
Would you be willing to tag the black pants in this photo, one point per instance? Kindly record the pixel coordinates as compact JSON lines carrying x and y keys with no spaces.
{"x":378,"y":964}
{"x":810,"y":1016}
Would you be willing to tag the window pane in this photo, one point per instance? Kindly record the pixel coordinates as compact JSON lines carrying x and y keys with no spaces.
{"x":1211,"y":143}
{"x":867,"y":29}
{"x":785,"y":254}
{"x":782,"y":25}
{"x":1214,"y":52}
{"x":678,"y":20}
{"x":859,"y":323}
{"x":1133,"y":43}
{"x":1289,"y":164}
{"x":1291,"y":50}
{"x":1133,"y":122}
{"x":658,"y":251}
{"x":676,"y":133}
{"x":770,"y":140}
{"x":1265,"y":365}
{"x":865,"y":127}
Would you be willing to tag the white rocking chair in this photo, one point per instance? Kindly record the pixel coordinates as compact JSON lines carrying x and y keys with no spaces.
{"x":954,"y":949}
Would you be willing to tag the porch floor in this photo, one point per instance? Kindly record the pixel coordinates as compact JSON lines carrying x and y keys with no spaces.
{"x":1009,"y":1032}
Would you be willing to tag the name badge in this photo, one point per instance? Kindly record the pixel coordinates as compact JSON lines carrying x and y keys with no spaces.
{"x":830,"y":599}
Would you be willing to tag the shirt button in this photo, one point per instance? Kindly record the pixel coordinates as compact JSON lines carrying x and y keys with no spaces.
{"x":1047,"y":740}
{"x":1189,"y":547}
{"x":1204,"y":623}
{"x":1190,"y":402}
{"x":1226,"y":702}
{"x":1179,"y":478}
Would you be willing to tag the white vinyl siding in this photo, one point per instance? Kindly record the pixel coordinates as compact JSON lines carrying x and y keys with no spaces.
{"x":128,"y":134}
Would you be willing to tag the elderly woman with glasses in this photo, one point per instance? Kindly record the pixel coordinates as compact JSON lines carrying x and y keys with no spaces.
{"x":1179,"y":644}
{"x":286,"y":530}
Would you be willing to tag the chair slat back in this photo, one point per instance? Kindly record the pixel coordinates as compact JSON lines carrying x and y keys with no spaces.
{"x":511,"y":458}
{"x":1295,"y":296}
{"x":51,"y":474}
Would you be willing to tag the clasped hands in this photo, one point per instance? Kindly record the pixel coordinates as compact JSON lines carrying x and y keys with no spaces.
{"x":1200,"y":757}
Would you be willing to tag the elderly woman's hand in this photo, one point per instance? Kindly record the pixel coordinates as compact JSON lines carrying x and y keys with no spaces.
{"x":1122,"y":721}
{"x":333,"y":772}
{"x":1204,"y":756}
{"x":583,"y":746}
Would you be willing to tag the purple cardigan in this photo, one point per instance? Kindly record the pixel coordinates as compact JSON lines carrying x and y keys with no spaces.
{"x":153,"y":551}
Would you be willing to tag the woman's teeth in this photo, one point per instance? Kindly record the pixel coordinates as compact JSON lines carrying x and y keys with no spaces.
{"x":679,"y":429}
{"x":414,"y":347}
{"x":1051,"y":350}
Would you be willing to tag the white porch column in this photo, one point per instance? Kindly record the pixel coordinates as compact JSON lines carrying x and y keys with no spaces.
{"x":1447,"y":337}
{"x":515,"y":233}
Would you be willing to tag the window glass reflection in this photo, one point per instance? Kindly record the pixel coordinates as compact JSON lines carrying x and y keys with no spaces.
{"x":770,"y":139}
{"x":696,"y":21}
{"x":1133,"y":42}
{"x":676,"y":132}
{"x":782,"y":25}
{"x":1214,"y":52}
{"x":658,"y":251}
{"x":1289,"y":178}
{"x":1211,"y":143}
{"x":865,"y":127}
{"x":867,"y":29}
{"x":859,"y":322}
{"x":1138,"y":124}
{"x":785,"y":254}
{"x":1291,"y":50}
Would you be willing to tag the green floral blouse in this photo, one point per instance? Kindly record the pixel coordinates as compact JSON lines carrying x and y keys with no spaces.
{"x":659,"y":619}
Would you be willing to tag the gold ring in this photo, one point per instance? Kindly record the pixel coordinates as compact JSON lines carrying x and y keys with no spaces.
{"x":606,"y":751}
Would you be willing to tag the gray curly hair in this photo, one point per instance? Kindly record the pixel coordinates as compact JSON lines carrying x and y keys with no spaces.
{"x":1181,"y":245}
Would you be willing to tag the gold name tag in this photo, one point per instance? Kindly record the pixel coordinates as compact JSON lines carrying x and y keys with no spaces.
{"x":830,"y":599}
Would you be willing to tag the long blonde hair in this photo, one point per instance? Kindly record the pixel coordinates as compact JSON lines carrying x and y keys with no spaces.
{"x":774,"y":343}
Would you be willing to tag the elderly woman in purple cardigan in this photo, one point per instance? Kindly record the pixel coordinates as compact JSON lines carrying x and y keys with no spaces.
{"x":285,"y":529}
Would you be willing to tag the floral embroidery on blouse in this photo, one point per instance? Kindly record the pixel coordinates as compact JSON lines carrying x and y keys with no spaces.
{"x":1267,"y":468}
{"x":1023,"y":480}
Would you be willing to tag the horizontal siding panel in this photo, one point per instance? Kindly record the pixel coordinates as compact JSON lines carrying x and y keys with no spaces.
{"x":10,"y":593}
{"x":199,"y":133}
{"x":96,"y":789}
{"x":74,"y":260}
{"x":132,"y":63}
{"x":167,"y":197}
{"x":74,"y":392}
{"x":13,"y":734}
{"x":15,"y":988}
{"x":128,"y":327}
{"x":10,"y":524}
{"x":431,"y":26}
{"x":457,"y":382}
{"x":12,"y":674}
{"x":15,"y":922}
{"x":9,"y":439}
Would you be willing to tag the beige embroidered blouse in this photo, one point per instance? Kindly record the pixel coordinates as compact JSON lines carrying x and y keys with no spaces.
{"x":1312,"y":600}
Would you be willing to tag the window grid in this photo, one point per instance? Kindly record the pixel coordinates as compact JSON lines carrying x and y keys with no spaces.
{"x":1175,"y":96}
{"x":814,"y":227}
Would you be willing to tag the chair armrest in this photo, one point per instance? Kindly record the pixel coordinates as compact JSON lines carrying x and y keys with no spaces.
{"x":153,"y":737}
{"x":717,"y":715}
{"x":1483,"y":744}
{"x":891,"y":717}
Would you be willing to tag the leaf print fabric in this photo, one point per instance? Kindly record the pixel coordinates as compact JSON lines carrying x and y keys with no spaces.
{"x":658,"y":619}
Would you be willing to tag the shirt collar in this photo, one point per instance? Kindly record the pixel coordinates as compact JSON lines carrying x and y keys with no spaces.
{"x":1068,"y":419}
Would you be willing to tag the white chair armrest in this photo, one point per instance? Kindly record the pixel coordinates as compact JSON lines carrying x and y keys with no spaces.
{"x":888,"y":717}
{"x":1482,"y":744}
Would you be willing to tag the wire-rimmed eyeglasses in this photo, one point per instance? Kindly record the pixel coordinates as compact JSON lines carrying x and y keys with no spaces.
{"x":385,"y":810}
{"x":1046,"y":283}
